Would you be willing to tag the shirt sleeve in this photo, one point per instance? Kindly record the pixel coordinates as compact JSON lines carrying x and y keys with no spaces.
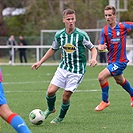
{"x":128,"y":25}
{"x":55,"y":43}
{"x":102,"y":37}
{"x":87,"y":43}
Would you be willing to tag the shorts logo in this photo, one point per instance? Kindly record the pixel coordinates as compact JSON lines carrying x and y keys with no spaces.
{"x":115,"y":67}
{"x":69,"y":48}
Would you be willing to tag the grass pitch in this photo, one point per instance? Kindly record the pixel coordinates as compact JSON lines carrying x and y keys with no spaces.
{"x":25,"y":90}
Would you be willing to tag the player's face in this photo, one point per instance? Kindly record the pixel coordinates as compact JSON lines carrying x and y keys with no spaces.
{"x":110,"y":17}
{"x":69,"y":21}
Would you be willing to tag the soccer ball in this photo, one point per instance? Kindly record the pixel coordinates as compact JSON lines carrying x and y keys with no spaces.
{"x":36,"y":116}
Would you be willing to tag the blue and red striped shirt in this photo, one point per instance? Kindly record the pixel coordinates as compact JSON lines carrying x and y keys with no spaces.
{"x":116,"y":41}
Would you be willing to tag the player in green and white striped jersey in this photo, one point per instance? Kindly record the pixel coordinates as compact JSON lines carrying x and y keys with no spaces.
{"x":73,"y":49}
{"x":72,"y":67}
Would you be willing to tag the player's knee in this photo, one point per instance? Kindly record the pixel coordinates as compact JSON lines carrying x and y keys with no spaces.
{"x":100,"y":78}
{"x":50,"y":93}
{"x":119,"y":82}
{"x":65,"y":99}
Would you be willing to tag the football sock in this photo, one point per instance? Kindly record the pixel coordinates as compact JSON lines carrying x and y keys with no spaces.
{"x":18,"y":123}
{"x":63,"y":110}
{"x":105,"y":89}
{"x":51,"y":102}
{"x":126,"y":85}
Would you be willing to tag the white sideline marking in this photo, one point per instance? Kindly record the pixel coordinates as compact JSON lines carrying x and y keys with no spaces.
{"x":44,"y":91}
{"x":22,"y":91}
{"x":34,"y":82}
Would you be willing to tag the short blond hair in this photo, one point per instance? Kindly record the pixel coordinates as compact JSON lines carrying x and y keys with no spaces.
{"x":68,"y":11}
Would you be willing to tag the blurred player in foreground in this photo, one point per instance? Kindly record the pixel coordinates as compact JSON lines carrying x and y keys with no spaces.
{"x":113,"y":37}
{"x":12,"y":118}
{"x":72,"y":67}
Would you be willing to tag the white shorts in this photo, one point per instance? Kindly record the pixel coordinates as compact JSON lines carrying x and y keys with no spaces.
{"x":67,"y":80}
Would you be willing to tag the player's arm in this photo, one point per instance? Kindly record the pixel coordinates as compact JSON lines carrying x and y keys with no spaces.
{"x":48,"y":54}
{"x":93,"y":61}
{"x":102,"y":44}
{"x":87,"y":43}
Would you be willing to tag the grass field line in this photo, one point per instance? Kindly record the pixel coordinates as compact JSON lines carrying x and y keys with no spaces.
{"x":44,"y":81}
{"x":48,"y":81}
{"x":38,"y":91}
{"x":27,"y":82}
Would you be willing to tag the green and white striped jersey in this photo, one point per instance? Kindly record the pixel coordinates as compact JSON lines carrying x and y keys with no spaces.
{"x":73,"y":49}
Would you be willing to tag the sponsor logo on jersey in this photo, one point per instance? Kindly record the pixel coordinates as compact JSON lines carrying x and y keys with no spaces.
{"x":69,"y":48}
{"x":115,"y":40}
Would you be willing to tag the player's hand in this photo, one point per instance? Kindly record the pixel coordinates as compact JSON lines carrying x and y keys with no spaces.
{"x":102,"y":47}
{"x":36,"y":65}
{"x":93,"y":63}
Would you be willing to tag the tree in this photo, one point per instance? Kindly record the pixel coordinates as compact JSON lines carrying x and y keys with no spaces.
{"x":47,"y":14}
{"x":3,"y":5}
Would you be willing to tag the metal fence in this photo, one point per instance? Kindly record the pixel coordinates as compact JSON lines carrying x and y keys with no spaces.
{"x":34,"y":54}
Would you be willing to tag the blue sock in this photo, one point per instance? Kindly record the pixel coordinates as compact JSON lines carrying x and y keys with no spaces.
{"x":105,"y":89}
{"x":18,"y":124}
{"x":126,"y":85}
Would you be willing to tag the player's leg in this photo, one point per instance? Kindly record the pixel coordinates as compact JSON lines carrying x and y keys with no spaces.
{"x":64,"y":107}
{"x":103,"y":80}
{"x":58,"y":81}
{"x":65,"y":103}
{"x":118,"y":76}
{"x":13,"y":119}
{"x":51,"y":98}
{"x":125,"y":85}
{"x":72,"y":82}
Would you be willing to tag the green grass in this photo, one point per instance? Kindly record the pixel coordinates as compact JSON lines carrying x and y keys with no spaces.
{"x":25,"y":90}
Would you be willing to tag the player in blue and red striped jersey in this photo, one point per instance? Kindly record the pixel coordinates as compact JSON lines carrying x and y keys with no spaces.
{"x":11,"y":118}
{"x":113,"y":38}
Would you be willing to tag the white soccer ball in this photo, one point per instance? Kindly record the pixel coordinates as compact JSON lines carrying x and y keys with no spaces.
{"x":36,"y":116}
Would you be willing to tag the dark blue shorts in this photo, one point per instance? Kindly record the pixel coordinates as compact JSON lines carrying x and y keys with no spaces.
{"x":116,"y":68}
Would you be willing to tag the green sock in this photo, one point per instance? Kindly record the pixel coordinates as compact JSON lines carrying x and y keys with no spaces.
{"x":51,"y":102}
{"x":63,"y":110}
